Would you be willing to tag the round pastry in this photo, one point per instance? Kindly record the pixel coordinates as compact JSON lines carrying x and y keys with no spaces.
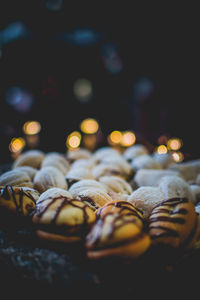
{"x":131,"y":152}
{"x":145,"y":161}
{"x":107,"y":169}
{"x":175,"y":186}
{"x":145,"y":198}
{"x":188,"y":169}
{"x":29,"y":170}
{"x":195,"y":190}
{"x":164,"y":159}
{"x":103,"y":152}
{"x":61,"y":218}
{"x":118,"y":231}
{"x":174,"y":222}
{"x":49,"y":177}
{"x":84,"y":184}
{"x":76,"y":174}
{"x":151,"y":177}
{"x":118,"y":161}
{"x":74,"y":154}
{"x":32,"y":158}
{"x":17,"y":202}
{"x":15,"y":177}
{"x":91,"y":191}
{"x":56,"y":160}
{"x":116,"y":184}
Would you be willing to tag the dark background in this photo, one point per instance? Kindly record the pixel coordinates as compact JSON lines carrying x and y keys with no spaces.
{"x":155,"y":44}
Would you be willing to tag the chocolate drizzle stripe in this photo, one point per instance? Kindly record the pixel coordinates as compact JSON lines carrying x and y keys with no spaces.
{"x":182,"y":211}
{"x":166,"y":231}
{"x":167,"y":219}
{"x":172,"y":202}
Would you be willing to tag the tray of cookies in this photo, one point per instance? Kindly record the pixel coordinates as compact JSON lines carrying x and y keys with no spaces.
{"x":90,"y":219}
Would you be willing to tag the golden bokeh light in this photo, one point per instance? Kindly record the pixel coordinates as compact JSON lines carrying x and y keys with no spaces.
{"x":115,"y":137}
{"x":162,"y":149}
{"x":17,"y":144}
{"x":174,"y":144}
{"x":31,"y":127}
{"x":73,"y":140}
{"x":177,"y":156}
{"x":128,"y":139}
{"x":89,"y":126}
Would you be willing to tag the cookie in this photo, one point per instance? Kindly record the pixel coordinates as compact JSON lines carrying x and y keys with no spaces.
{"x":174,"y":222}
{"x":145,"y":161}
{"x":145,"y":198}
{"x":75,"y":154}
{"x":117,"y":232}
{"x":76,"y":174}
{"x":116,"y":184}
{"x":92,"y":192}
{"x":32,"y":158}
{"x":132,"y":152}
{"x":175,"y":186}
{"x":59,"y":217}
{"x":57,"y":160}
{"x":151,"y":177}
{"x":30,"y":171}
{"x":49,"y":177}
{"x":107,"y":169}
{"x":16,"y":177}
{"x":18,"y":200}
{"x":188,"y":169}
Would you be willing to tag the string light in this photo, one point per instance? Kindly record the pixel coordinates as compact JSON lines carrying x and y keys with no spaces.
{"x":73,"y":140}
{"x":128,"y":138}
{"x":161,"y":149}
{"x":177,"y":156}
{"x":174,"y":144}
{"x":89,"y":126}
{"x":17,"y":144}
{"x":31,"y":127}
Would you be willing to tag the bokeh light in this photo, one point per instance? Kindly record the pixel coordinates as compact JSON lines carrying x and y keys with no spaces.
{"x":83,"y":89}
{"x":128,"y":138}
{"x":31,"y":127}
{"x":73,"y":140}
{"x":115,"y":137}
{"x":161,"y":149}
{"x":177,"y":156}
{"x":174,"y":144}
{"x":17,"y":144}
{"x":89,"y":126}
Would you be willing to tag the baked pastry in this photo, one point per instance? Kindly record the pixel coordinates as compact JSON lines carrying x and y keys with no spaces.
{"x":116,"y":184}
{"x":49,"y":177}
{"x":145,"y":198}
{"x":118,"y":231}
{"x":151,"y":177}
{"x":76,"y":174}
{"x":92,"y":192}
{"x":165,"y":159}
{"x":132,"y":152}
{"x":145,"y":161}
{"x":188,"y":169}
{"x":18,"y":200}
{"x":30,"y":171}
{"x":57,"y":160}
{"x":174,"y":222}
{"x":16,"y":177}
{"x":32,"y":158}
{"x":74,"y":154}
{"x":175,"y":186}
{"x":195,"y":191}
{"x":86,"y":184}
{"x":106,"y":151}
{"x":59,"y":217}
{"x":107,"y":169}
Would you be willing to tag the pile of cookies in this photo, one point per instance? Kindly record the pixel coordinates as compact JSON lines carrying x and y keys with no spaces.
{"x":117,"y":204}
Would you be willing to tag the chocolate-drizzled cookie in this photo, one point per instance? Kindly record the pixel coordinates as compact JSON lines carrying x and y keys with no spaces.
{"x":118,"y":231}
{"x":17,"y":201}
{"x":174,"y":222}
{"x":60,"y":217}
